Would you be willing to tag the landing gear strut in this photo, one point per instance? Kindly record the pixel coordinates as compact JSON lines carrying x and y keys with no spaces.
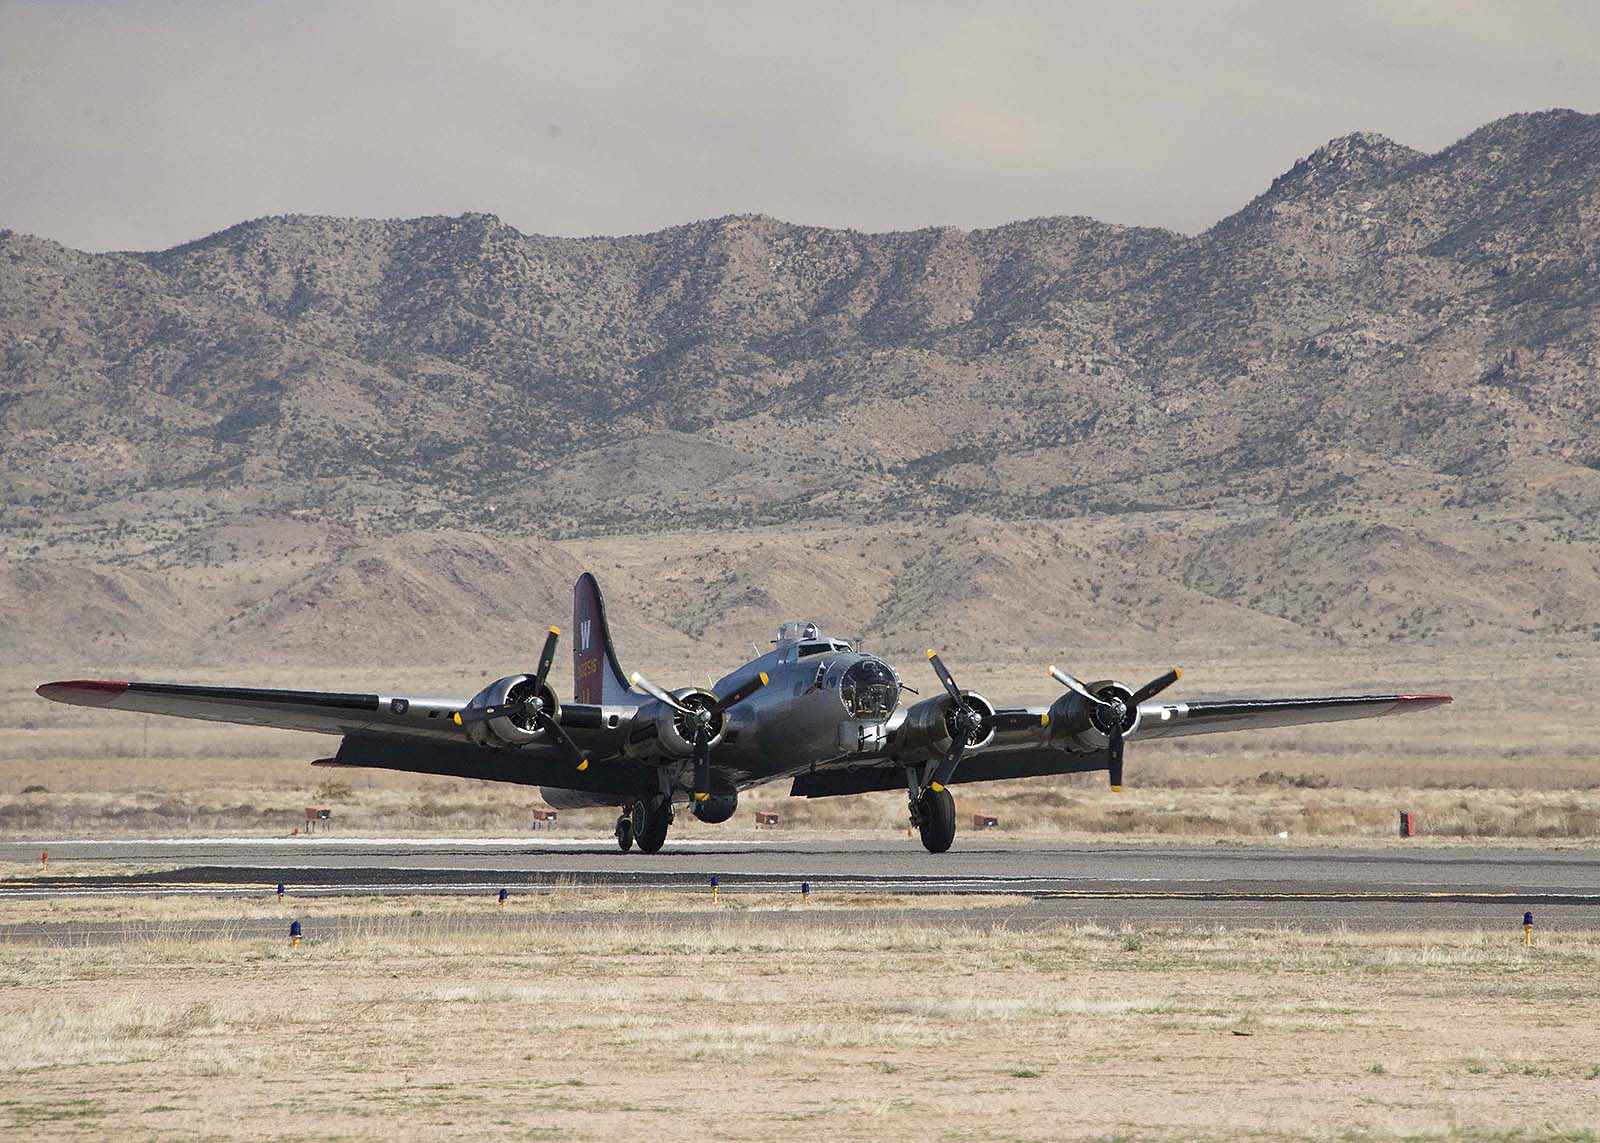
{"x":934,"y":814}
{"x":649,"y":819}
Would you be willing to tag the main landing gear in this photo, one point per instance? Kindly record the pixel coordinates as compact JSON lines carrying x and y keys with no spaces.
{"x":933,"y":812}
{"x":645,"y":824}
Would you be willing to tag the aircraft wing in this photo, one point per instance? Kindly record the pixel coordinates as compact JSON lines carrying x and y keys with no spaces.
{"x":1021,"y":747}
{"x":1021,"y":728}
{"x":387,"y":732}
{"x":323,"y":712}
{"x":1173,"y":719}
{"x":390,"y":732}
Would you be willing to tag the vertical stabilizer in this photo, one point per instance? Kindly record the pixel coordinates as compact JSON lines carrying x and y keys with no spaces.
{"x":597,"y":676}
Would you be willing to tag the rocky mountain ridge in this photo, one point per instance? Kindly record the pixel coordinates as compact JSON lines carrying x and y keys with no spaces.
{"x":1362,"y":407}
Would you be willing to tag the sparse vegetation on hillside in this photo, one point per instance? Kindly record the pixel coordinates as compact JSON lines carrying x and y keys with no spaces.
{"x":1362,"y":409}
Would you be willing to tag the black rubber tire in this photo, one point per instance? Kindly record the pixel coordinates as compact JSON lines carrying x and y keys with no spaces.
{"x":624,"y":833}
{"x":650,"y":826}
{"x":937,"y":820}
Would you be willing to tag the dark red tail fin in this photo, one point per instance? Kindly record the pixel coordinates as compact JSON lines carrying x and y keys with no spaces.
{"x":598,"y":678}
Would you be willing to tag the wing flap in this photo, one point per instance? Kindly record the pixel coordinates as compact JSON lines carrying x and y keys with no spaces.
{"x":527,"y":766}
{"x":984,"y":766}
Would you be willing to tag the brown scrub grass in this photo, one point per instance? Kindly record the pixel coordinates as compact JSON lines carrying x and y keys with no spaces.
{"x":1256,"y":808}
{"x":434,"y":913}
{"x":735,"y":1029}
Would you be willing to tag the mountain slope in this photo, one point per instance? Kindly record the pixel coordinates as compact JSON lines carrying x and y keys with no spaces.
{"x":1362,"y":407}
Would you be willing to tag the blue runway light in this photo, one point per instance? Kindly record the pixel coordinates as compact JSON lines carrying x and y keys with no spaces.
{"x":294,"y":934}
{"x":503,"y":896}
{"x":280,"y":890}
{"x":715,"y":886}
{"x":1527,"y":918}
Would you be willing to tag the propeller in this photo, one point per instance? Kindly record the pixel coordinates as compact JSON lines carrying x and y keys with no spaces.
{"x":964,"y":723}
{"x":700,"y":721}
{"x":1110,"y":713}
{"x":529,"y":710}
{"x":1155,"y":686}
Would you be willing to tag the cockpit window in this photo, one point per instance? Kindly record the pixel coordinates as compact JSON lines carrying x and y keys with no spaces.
{"x":813,"y":649}
{"x":870,"y":689}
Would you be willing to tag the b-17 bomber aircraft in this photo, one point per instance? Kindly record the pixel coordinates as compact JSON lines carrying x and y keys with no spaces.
{"x":813,"y":710}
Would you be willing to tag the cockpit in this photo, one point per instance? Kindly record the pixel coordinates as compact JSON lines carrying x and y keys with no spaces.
{"x":798,"y":640}
{"x":870,"y":689}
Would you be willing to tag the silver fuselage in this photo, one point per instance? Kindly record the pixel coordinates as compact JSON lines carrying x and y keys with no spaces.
{"x":798,"y":718}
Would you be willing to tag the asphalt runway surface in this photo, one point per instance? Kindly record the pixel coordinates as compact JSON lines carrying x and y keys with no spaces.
{"x":1042,"y":883}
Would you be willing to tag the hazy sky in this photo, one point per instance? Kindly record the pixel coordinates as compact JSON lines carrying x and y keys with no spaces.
{"x":140,"y":125}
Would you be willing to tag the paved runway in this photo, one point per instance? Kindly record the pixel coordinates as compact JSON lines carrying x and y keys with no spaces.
{"x":1388,"y":888}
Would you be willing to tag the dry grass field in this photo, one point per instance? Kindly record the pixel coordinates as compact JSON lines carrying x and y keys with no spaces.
{"x":1256,"y":809}
{"x":728,"y":1028}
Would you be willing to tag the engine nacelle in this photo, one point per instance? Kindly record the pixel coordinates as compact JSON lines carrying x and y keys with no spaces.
{"x":674,"y":730}
{"x":717,"y":808}
{"x":929,"y":725}
{"x":516,"y":729}
{"x":1079,"y":726}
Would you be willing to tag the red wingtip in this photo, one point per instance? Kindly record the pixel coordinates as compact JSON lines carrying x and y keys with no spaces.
{"x":82,"y":692}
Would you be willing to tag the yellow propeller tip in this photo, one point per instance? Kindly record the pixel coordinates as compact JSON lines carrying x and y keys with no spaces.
{"x":555,"y":630}
{"x":1044,"y":719}
{"x":931,"y":652}
{"x":936,"y":786}
{"x":763,"y":677}
{"x":455,"y":717}
{"x":1178,"y":671}
{"x":702,"y":797}
{"x":584,"y":765}
{"x":1116,"y":789}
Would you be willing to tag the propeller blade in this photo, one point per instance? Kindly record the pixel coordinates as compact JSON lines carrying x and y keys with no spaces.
{"x":540,"y":717}
{"x":485,"y":713}
{"x":702,"y":768}
{"x":547,"y":656}
{"x":658,"y":694}
{"x":740,"y":693}
{"x":952,"y":759}
{"x":1155,"y":686}
{"x":1114,"y":739}
{"x":1074,"y":685}
{"x":944,"y":675}
{"x":559,"y":733}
